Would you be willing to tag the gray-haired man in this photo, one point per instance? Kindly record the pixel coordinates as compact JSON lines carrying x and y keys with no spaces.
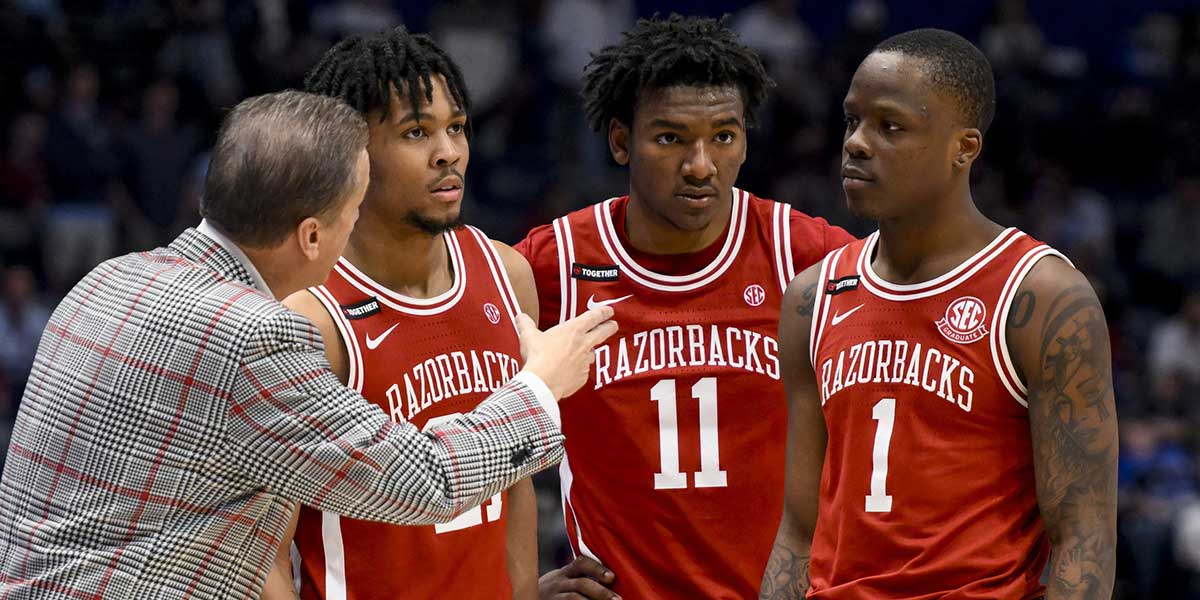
{"x":176,"y":410}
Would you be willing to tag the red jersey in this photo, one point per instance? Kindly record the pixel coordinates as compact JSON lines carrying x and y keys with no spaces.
{"x":422,"y":361}
{"x":675,"y":446}
{"x":928,"y":486}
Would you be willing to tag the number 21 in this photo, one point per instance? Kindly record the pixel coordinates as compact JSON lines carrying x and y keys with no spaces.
{"x":474,"y":516}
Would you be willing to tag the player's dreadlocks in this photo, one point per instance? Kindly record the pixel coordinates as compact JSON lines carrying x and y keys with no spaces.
{"x":955,"y":67}
{"x":362,"y":69}
{"x":659,"y":53}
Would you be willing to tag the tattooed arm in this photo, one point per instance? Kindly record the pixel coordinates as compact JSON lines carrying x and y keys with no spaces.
{"x":786,"y":576}
{"x":1059,"y":341}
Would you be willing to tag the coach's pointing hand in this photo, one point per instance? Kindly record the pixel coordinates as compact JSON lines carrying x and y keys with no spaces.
{"x":562,"y":355}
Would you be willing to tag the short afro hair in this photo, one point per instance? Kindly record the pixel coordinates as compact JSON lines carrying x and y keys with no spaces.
{"x":955,"y":67}
{"x":361,"y":71}
{"x":659,"y":53}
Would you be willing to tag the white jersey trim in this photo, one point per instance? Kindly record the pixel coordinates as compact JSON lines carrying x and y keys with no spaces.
{"x":675,"y":283}
{"x":998,"y":339}
{"x":788,"y":261}
{"x":335,"y":556}
{"x":567,"y":478}
{"x":499,"y":274}
{"x":407,"y":304}
{"x":564,"y":271}
{"x":354,"y":358}
{"x":939,"y":285}
{"x":778,"y":232}
{"x":821,"y":305}
{"x":566,"y":259}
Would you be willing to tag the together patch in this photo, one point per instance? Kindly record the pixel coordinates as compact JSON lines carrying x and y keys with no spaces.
{"x":595,"y":272}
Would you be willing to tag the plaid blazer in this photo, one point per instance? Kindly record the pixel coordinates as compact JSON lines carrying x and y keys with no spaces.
{"x":174,"y":414}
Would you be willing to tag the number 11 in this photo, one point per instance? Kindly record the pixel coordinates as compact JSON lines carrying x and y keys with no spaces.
{"x":669,"y":477}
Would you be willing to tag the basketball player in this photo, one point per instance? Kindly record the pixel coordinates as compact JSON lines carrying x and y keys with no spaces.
{"x":419,"y":315}
{"x":674,"y":470}
{"x":951,"y":419}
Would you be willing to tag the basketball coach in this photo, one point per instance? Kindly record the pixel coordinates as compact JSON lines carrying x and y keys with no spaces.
{"x":177,"y":411}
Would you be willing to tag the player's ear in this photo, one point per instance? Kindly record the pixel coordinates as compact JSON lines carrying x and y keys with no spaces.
{"x":968,"y":147}
{"x":308,"y":236}
{"x":618,"y":141}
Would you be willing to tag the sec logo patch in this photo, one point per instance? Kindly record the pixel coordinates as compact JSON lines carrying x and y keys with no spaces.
{"x":964,"y":321}
{"x":754,"y":294}
{"x":492,"y":313}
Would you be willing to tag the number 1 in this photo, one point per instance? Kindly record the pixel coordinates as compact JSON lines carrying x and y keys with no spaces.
{"x":884,"y":412}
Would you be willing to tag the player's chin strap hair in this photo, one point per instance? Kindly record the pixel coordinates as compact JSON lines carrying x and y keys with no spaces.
{"x":361,"y":70}
{"x":659,"y":53}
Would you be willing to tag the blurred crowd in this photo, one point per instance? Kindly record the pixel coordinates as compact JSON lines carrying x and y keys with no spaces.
{"x":109,"y":107}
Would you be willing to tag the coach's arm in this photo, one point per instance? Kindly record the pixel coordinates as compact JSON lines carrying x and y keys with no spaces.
{"x":298,"y":432}
{"x":786,"y":574}
{"x":1058,"y":339}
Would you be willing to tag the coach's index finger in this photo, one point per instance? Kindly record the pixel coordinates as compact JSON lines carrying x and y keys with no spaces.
{"x":593,"y":317}
{"x":601,"y":332}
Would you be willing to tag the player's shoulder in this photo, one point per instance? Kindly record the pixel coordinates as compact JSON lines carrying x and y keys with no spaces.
{"x":305,"y":303}
{"x":589,"y":215}
{"x":799,"y":221}
{"x":1036,"y":264}
{"x":808,"y":238}
{"x":540,"y":245}
{"x":515,"y":263}
{"x":769,"y":207}
{"x":764,"y":213}
{"x":1051,"y":273}
{"x":1053,"y":301}
{"x":536,"y":241}
{"x":759,"y":206}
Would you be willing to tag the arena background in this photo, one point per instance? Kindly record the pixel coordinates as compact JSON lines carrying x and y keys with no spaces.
{"x":109,"y":108}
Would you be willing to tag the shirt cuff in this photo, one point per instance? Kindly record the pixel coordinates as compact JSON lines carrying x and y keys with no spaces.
{"x":543,"y":394}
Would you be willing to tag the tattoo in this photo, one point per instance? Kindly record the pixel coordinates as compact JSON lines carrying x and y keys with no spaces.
{"x":786,"y":577}
{"x":1075,"y":360}
{"x":808,"y":299}
{"x":1074,"y":439}
{"x":1022,"y":309}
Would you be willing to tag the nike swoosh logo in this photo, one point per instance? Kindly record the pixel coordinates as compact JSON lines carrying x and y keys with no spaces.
{"x":374,"y":343}
{"x":842,"y":317}
{"x":593,"y":304}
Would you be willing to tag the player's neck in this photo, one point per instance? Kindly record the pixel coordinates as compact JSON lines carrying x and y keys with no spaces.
{"x":926,"y":245}
{"x":400,"y":257}
{"x":649,"y":232}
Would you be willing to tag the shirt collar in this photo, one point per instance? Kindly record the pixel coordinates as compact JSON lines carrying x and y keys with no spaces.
{"x":231,"y":247}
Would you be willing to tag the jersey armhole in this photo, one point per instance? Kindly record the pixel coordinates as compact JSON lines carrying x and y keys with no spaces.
{"x":998,"y":339}
{"x":789,"y":262}
{"x":821,"y":304}
{"x":354,"y":360}
{"x":499,"y":274}
{"x":566,"y":257}
{"x":575,"y":537}
{"x":781,"y":237}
